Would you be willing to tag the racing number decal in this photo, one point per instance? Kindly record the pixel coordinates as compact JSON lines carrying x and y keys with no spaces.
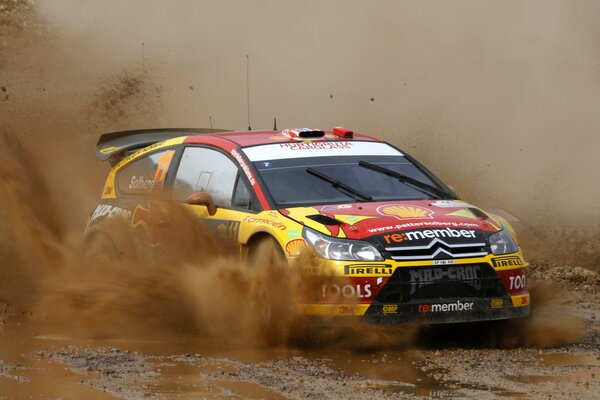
{"x":163,"y":166}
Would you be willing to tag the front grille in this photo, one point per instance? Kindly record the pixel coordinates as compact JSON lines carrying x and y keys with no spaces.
{"x":441,"y":282}
{"x":437,"y":249}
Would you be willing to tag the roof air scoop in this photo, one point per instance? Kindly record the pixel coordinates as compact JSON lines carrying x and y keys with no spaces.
{"x":303,"y":133}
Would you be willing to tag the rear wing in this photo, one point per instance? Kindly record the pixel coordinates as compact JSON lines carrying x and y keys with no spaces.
{"x":116,"y":145}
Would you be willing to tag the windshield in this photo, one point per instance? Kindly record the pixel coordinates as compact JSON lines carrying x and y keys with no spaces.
{"x":290,"y":181}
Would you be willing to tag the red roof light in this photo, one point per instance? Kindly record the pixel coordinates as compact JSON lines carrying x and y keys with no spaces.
{"x":343,"y":132}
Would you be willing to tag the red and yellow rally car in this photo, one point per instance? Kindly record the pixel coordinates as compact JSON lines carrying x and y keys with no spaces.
{"x":401,"y":243}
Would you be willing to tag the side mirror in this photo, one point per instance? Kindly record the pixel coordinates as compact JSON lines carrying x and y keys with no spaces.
{"x":202,"y":199}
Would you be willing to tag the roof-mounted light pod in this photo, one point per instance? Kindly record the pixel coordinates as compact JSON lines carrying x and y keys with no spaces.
{"x":343,"y":132}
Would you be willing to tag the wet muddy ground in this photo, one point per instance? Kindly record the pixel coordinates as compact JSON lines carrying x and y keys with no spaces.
{"x":33,"y":365}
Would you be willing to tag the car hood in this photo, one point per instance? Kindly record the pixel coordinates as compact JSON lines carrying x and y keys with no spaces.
{"x":378,"y":219}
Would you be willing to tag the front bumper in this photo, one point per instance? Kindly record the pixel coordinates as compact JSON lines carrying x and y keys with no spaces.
{"x":460,"y":290}
{"x":436,"y":311}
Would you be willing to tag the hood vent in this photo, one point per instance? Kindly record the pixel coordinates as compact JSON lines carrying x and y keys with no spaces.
{"x":324,"y":219}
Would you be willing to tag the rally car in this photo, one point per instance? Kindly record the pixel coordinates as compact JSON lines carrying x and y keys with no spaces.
{"x":400,"y":244}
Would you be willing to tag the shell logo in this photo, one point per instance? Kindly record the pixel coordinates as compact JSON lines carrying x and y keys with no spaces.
{"x":295,"y":247}
{"x":406,"y":212}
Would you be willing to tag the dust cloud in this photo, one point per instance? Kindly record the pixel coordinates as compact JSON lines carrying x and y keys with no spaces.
{"x":499,"y":99}
{"x":551,"y":323}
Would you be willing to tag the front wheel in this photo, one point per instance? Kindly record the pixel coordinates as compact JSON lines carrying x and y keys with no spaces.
{"x":271,"y":297}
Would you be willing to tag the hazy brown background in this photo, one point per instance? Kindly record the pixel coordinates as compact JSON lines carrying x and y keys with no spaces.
{"x":501,"y":99}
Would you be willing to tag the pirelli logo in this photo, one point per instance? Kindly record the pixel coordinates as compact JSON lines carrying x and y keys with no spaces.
{"x":368,"y":269}
{"x":508,"y":261}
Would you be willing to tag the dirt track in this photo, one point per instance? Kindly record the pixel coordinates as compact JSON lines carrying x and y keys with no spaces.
{"x":444,"y":362}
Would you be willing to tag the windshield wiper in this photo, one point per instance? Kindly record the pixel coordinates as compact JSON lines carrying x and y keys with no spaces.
{"x":339,"y":185}
{"x":415,"y":184}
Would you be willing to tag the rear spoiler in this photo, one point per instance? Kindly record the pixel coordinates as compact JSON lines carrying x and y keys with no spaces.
{"x":116,"y":145}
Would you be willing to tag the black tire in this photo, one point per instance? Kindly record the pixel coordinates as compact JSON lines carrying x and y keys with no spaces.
{"x":264,"y":243}
{"x":263,"y":303}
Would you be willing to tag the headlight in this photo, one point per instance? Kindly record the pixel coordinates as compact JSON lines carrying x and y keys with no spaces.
{"x":502,"y":243}
{"x":340,"y":249}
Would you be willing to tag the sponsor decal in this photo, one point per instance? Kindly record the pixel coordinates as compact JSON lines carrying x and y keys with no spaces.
{"x":294,"y":247}
{"x":350,"y":219}
{"x":363,"y":290}
{"x":228,"y":230}
{"x":405,"y":212}
{"x":423,"y":224}
{"x":244,"y":166}
{"x":368,"y":269}
{"x":145,"y":218}
{"x":309,"y":145}
{"x":345,"y":310}
{"x":445,"y":307}
{"x":146,"y":150}
{"x":429,"y":234}
{"x":108,"y":190}
{"x":497,"y":303}
{"x":517,"y":282}
{"x":469,"y":274}
{"x":347,"y":291}
{"x":294,"y":233}
{"x":162,"y":166}
{"x":320,"y":148}
{"x":463,"y":214}
{"x":233,"y":227}
{"x":449,"y":204}
{"x":508,"y":261}
{"x":103,"y":210}
{"x":143,"y":184}
{"x":390,"y":308}
{"x":262,"y":221}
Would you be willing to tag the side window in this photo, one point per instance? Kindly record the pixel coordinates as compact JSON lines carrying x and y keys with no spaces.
{"x":205,"y":170}
{"x":242,"y":197}
{"x":146,"y":174}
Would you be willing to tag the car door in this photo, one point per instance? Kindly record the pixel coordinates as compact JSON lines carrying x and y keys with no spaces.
{"x":138,"y":187}
{"x":204,"y":169}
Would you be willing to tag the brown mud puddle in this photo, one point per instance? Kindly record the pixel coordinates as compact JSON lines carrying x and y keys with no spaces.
{"x":47,"y":367}
{"x":564,"y":367}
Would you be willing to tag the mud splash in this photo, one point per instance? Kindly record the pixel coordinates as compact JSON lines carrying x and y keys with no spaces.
{"x":551,"y":323}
